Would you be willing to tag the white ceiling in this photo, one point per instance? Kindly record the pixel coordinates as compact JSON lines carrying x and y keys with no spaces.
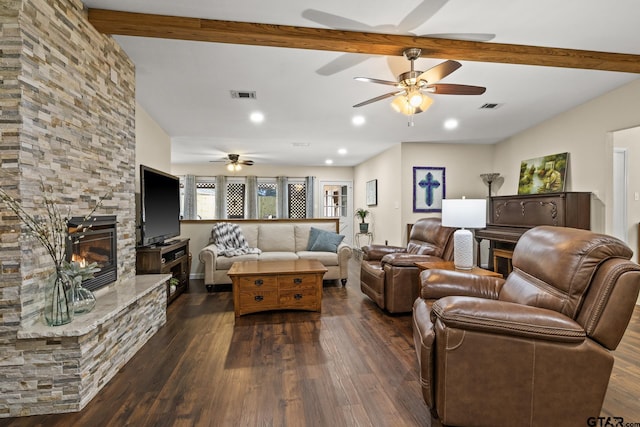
{"x":185,"y":86}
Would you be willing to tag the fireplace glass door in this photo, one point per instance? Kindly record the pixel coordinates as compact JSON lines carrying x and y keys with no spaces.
{"x":94,"y":240}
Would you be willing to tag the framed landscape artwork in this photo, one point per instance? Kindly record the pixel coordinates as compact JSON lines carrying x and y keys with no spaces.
{"x":372,"y":192}
{"x":428,"y":188}
{"x":545,"y":174}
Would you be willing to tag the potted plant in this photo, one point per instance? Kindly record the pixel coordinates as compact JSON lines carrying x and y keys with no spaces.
{"x":362,"y":214}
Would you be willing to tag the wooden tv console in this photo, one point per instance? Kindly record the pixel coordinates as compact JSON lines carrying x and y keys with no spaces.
{"x":171,"y":259}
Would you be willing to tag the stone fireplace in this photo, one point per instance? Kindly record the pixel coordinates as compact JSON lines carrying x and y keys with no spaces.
{"x":92,"y":240}
{"x":68,"y":120}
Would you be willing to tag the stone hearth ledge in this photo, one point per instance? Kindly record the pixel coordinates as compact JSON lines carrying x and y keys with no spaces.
{"x":109,"y":303}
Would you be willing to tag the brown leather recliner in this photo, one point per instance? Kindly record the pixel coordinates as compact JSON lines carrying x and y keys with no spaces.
{"x":533,"y":350}
{"x":388,"y":274}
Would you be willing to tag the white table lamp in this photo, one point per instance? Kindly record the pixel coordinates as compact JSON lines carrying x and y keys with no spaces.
{"x":464,"y":213}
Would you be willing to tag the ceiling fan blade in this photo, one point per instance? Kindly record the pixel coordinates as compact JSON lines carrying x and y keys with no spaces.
{"x":440,"y":71}
{"x":455,"y":89}
{"x":334,"y":21}
{"x":382,"y":82}
{"x":341,"y":63}
{"x":379,"y":98}
{"x":420,"y":14}
{"x":246,"y":162}
{"x":471,"y":37}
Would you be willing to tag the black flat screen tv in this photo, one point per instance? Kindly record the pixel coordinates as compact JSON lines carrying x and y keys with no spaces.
{"x":159,"y":206}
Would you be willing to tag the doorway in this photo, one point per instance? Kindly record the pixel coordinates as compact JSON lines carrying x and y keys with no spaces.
{"x":337,"y":202}
{"x":620,"y":194}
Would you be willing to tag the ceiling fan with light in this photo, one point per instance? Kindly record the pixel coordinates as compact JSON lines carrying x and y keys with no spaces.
{"x":234,"y":163}
{"x":414,"y":19}
{"x":411,"y":85}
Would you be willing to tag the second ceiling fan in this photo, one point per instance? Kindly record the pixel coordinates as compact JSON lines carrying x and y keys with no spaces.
{"x":412,"y":85}
{"x":234,"y":163}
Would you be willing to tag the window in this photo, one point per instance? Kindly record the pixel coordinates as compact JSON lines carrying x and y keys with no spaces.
{"x":297,"y":199}
{"x":205,"y":198}
{"x":227,"y":197}
{"x":334,"y":200}
{"x":235,"y":200}
{"x":267,"y":198}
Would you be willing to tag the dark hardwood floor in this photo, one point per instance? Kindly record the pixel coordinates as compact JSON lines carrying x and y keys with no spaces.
{"x":351,"y":365}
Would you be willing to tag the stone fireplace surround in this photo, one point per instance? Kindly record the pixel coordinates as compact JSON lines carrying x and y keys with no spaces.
{"x":67,"y":119}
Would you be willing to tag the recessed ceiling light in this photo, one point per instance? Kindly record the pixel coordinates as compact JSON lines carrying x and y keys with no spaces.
{"x":358,"y":120}
{"x":450,"y":124}
{"x":342,"y":151}
{"x":256,"y":117}
{"x":328,"y":162}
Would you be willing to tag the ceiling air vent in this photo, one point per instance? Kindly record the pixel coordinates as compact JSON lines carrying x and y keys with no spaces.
{"x":243,"y":94}
{"x":490,"y":106}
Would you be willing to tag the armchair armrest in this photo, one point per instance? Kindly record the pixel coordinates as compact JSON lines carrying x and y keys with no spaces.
{"x":443,"y":283}
{"x":507,"y":318}
{"x":376,"y":252}
{"x":403,"y":259}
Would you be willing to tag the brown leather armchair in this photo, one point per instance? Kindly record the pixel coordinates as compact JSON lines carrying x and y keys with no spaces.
{"x":533,"y":350}
{"x":388,"y":274}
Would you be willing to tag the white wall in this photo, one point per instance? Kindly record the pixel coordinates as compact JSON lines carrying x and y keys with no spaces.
{"x":584,"y":132}
{"x":394,"y":171}
{"x":153,"y":145}
{"x":385,"y":219}
{"x":463,"y":165}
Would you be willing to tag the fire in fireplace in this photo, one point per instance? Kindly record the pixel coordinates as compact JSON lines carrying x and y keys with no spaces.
{"x":95,"y":243}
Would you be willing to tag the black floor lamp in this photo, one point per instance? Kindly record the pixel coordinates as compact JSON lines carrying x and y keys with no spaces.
{"x":489,"y":178}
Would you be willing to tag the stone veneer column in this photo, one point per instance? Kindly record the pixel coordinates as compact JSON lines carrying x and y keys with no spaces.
{"x":67,"y":117}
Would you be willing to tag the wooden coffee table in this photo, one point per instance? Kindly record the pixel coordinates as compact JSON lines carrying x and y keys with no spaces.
{"x":448,"y":265}
{"x":276,"y":285}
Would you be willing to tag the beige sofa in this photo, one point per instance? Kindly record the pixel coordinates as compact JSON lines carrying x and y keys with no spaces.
{"x":278,"y":239}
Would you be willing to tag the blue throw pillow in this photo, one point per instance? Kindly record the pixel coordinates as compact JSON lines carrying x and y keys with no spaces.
{"x":313,"y":236}
{"x":323,"y":241}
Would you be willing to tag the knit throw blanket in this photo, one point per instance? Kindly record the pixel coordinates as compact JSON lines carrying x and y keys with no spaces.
{"x":230,"y":240}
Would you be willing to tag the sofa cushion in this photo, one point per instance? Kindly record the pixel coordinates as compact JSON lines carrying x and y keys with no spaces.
{"x":326,"y":258}
{"x":278,"y":256}
{"x":224,"y":263}
{"x":323,"y":241}
{"x":276,"y":238}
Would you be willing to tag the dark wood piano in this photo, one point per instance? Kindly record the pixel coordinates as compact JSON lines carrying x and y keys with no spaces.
{"x":510,"y":216}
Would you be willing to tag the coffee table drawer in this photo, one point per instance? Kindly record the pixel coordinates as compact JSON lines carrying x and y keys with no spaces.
{"x":298,"y":281}
{"x":299,"y":298}
{"x":257,"y":300}
{"x":258,"y":282}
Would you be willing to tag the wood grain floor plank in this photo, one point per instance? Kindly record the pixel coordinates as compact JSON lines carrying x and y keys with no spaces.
{"x":350,"y":365}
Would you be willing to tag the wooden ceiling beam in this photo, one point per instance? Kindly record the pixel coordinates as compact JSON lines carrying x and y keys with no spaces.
{"x":207,"y":30}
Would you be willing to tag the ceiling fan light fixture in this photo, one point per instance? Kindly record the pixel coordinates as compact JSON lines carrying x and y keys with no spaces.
{"x":403,"y":104}
{"x":415,"y":99}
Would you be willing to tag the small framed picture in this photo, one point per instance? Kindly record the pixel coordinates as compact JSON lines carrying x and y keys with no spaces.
{"x":372,"y":192}
{"x":428,"y":188}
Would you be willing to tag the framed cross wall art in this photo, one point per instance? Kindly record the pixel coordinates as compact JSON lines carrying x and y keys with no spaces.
{"x":428,"y":188}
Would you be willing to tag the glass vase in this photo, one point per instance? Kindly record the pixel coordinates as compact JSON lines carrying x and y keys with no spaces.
{"x":57,"y":307}
{"x":82,"y":299}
